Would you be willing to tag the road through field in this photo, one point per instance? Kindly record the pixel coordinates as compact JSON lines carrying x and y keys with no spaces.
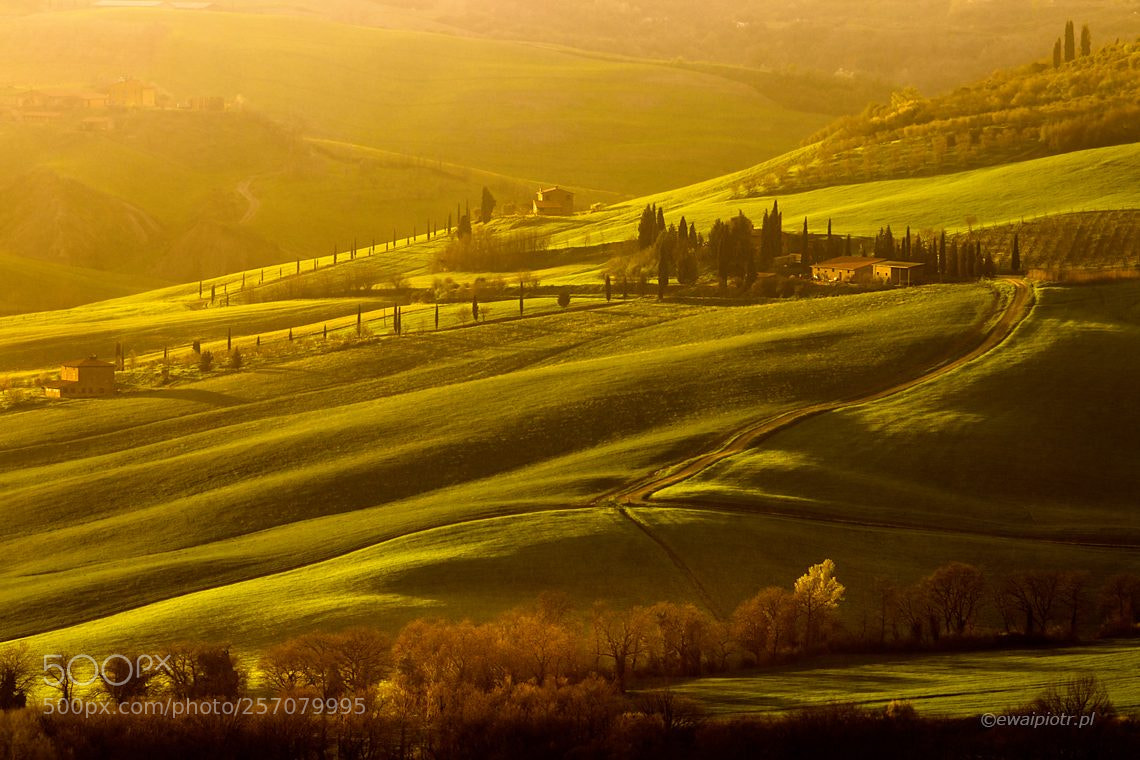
{"x":640,"y":493}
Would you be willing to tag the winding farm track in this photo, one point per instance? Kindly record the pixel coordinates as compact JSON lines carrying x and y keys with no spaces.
{"x":639,"y":494}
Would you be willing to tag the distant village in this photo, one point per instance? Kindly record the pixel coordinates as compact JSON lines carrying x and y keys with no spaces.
{"x":96,"y":108}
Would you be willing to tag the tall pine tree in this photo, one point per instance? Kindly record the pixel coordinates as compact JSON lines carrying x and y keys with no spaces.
{"x":1070,"y":43}
{"x":1086,"y":41}
{"x":1015,"y":256}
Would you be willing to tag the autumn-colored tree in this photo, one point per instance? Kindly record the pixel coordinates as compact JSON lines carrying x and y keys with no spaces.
{"x":680,"y":633}
{"x":765,"y":624}
{"x":621,"y":636}
{"x":817,"y":594}
{"x":955,"y":590}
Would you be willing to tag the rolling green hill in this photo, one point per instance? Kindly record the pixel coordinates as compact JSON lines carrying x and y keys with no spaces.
{"x":334,"y":133}
{"x":511,"y":108}
{"x":1096,"y":179}
{"x":353,"y":477}
{"x":964,"y":453}
{"x":1013,"y":115}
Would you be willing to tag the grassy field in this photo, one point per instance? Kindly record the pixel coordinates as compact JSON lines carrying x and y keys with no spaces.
{"x":1062,"y":379}
{"x":941,"y":684}
{"x":218,"y":492}
{"x":22,"y":284}
{"x":1100,"y":179}
{"x":511,"y":108}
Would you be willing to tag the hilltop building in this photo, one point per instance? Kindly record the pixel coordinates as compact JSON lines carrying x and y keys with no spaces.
{"x":83,"y":379}
{"x":857,"y":269}
{"x":900,"y":272}
{"x":553,"y":201}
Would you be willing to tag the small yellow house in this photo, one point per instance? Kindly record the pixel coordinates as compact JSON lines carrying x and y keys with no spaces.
{"x":553,"y":201}
{"x":859,"y":269}
{"x":84,"y":378}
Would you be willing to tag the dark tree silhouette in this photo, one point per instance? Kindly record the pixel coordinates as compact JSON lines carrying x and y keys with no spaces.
{"x":647,"y":228}
{"x":1086,"y":41}
{"x":1070,"y":43}
{"x":487,"y":207}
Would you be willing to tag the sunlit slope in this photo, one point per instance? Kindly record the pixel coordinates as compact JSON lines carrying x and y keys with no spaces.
{"x":507,"y":107}
{"x":245,"y":475}
{"x":187,"y":195}
{"x":1103,"y":178}
{"x":22,"y":285}
{"x":1037,"y":439}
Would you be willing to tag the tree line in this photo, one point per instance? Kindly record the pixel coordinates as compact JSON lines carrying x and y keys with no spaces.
{"x":736,"y":252}
{"x":546,"y":674}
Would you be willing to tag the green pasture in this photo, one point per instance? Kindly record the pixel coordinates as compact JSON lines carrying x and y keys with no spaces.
{"x":945,"y":684}
{"x":1034,"y":440}
{"x":118,"y":504}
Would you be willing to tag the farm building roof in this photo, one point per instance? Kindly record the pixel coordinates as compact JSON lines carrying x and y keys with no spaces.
{"x":900,"y":264}
{"x":850,"y":262}
{"x":90,"y":361}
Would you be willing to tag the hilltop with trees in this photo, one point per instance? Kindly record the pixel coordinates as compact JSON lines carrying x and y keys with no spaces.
{"x":1041,"y":109}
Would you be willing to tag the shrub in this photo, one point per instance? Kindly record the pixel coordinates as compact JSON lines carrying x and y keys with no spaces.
{"x":236,"y":359}
{"x":564,"y":297}
{"x":206,"y":361}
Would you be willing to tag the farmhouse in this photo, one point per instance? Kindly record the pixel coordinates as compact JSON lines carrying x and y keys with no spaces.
{"x":83,"y":379}
{"x":554,"y":201}
{"x":860,"y":269}
{"x":131,"y":93}
{"x":900,"y":272}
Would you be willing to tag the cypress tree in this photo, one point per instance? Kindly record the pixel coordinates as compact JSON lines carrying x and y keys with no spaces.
{"x":1070,"y":43}
{"x":828,"y":254}
{"x":1086,"y":41}
{"x":847,"y":245}
{"x":1057,"y":54}
{"x":437,"y":316}
{"x":1015,"y":256}
{"x":805,"y":255}
{"x":475,"y":307}
{"x":660,"y":220}
{"x":647,"y":228}
{"x":942,"y":270}
{"x":683,"y":233}
{"x":609,"y":293}
{"x":487,"y":207}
